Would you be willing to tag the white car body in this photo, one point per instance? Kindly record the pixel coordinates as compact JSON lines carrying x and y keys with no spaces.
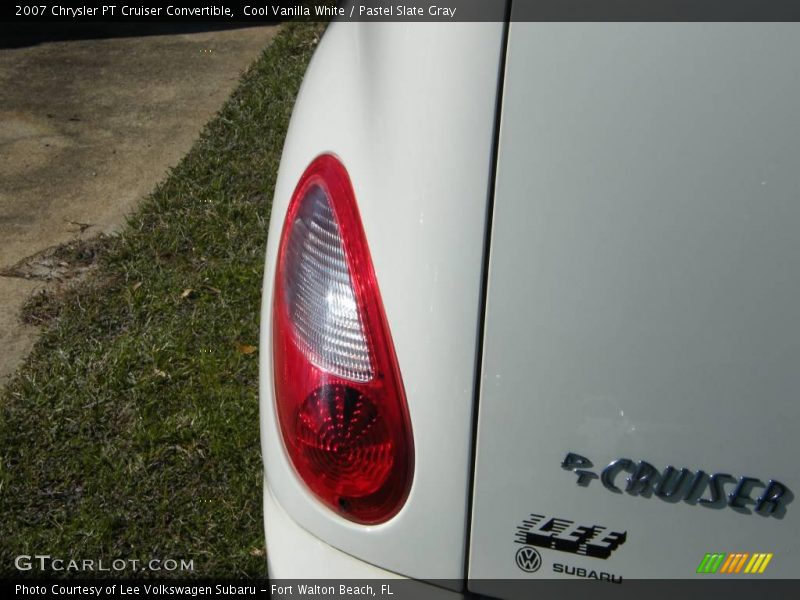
{"x":612,"y":274}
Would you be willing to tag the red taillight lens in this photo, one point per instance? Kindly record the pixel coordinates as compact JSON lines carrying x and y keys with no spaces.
{"x":339,"y":396}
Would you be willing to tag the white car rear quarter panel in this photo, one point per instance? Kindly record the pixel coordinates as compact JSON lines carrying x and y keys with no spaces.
{"x":643,"y":296}
{"x":409,"y":109}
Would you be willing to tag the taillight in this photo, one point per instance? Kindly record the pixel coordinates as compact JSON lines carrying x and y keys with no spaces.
{"x":339,"y":395}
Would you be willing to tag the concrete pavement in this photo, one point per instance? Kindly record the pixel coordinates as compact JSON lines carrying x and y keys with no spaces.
{"x":87,"y":128}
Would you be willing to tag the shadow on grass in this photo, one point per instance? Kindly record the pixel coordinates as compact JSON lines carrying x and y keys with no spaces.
{"x":132,"y":430}
{"x":18,"y":35}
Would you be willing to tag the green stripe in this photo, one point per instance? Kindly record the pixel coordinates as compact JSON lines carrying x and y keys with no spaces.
{"x":720,"y":557}
{"x":702,"y":567}
{"x":711,"y":563}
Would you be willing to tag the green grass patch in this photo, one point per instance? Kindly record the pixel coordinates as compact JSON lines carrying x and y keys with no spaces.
{"x":132,"y":430}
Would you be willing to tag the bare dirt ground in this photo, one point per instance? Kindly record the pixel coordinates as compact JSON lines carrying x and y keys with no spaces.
{"x":87,"y":128}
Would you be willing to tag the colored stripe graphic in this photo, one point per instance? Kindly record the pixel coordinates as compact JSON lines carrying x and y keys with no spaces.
{"x":764,"y":564}
{"x":701,"y":568}
{"x":728,"y":564}
{"x":741,"y":562}
{"x":710,"y":563}
{"x":758,"y":563}
{"x":734,"y":562}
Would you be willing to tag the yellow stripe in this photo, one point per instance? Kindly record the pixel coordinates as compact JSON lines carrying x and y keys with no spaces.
{"x":730,"y":559}
{"x":758,"y":563}
{"x":752,"y":562}
{"x":741,"y":562}
{"x":765,"y":563}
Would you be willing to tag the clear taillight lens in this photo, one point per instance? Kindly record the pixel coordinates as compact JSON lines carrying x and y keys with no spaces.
{"x":339,"y":395}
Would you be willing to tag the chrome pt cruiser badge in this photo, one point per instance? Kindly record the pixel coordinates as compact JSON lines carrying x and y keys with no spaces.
{"x":672,"y":485}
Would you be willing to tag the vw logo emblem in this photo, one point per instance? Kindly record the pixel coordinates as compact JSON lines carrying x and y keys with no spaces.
{"x":528,"y":559}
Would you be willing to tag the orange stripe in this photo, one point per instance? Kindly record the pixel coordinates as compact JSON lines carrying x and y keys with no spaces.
{"x":728,"y":562}
{"x":741,"y":562}
{"x":735,"y":563}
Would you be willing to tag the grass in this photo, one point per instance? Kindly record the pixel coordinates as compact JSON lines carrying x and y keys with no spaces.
{"x":132,"y":430}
